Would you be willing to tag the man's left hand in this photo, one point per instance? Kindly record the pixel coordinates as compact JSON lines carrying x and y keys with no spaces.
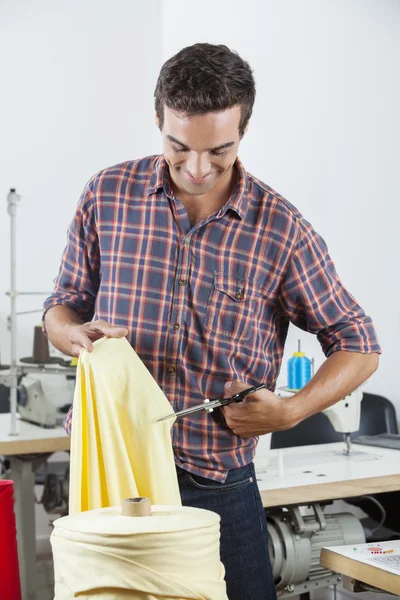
{"x":259,"y":413}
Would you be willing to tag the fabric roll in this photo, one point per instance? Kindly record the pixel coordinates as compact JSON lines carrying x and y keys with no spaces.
{"x":10,"y":587}
{"x":118,"y":449}
{"x":171,"y":555}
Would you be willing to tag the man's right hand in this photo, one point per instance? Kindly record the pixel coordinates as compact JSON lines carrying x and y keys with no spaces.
{"x":83,"y":336}
{"x":69,"y":334}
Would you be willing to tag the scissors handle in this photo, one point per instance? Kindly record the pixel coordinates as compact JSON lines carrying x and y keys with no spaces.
{"x":241,"y":395}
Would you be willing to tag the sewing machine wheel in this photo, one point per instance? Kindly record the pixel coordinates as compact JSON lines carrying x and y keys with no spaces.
{"x":53,"y":360}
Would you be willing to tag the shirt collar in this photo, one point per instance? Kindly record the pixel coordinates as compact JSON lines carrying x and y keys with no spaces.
{"x":160,"y":178}
{"x":238,"y":201}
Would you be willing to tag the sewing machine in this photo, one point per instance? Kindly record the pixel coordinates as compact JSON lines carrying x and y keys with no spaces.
{"x":44,"y":393}
{"x":344,"y":415}
{"x":44,"y":399}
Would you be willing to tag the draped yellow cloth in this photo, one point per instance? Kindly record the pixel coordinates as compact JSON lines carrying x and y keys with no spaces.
{"x":118,"y":451}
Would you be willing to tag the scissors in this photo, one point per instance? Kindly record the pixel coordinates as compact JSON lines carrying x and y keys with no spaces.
{"x":209,"y":405}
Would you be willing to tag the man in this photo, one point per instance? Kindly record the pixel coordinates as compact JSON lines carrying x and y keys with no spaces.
{"x":202,"y":267}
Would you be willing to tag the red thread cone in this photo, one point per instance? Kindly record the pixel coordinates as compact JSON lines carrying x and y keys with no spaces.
{"x":10,"y":586}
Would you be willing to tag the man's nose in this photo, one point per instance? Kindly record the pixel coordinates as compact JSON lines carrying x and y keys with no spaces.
{"x":198,"y":165}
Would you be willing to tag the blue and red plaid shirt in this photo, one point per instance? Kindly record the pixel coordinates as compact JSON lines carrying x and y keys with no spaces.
{"x":203,"y":304}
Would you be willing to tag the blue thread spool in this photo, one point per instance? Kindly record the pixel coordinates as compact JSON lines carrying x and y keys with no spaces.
{"x":299,"y":370}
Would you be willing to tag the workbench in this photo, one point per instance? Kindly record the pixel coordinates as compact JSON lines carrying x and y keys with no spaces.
{"x":306,"y":474}
{"x":359,"y":566}
{"x":289,"y":476}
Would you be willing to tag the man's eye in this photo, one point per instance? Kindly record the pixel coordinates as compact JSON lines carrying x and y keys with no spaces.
{"x":178,"y":149}
{"x":214,"y":153}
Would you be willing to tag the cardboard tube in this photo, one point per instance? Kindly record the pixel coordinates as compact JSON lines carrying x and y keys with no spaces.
{"x":136,"y":507}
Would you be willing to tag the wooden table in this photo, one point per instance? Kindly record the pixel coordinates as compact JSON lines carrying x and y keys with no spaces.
{"x":26,"y":450}
{"x":323,"y":472}
{"x":31,"y":439}
{"x":357,"y":564}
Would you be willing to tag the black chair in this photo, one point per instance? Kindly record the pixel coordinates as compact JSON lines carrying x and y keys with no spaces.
{"x":378,"y":415}
{"x":4,"y":399}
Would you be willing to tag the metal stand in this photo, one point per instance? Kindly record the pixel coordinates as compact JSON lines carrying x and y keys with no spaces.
{"x":12,"y":380}
{"x":12,"y":200}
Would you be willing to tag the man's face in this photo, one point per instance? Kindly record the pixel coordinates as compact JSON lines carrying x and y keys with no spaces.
{"x":200,"y":150}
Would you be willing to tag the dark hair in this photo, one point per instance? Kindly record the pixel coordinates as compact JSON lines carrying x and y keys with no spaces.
{"x":205,"y":78}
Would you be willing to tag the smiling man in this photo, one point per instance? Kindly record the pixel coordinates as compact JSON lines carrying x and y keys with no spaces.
{"x":202,"y":266}
{"x":201,"y":168}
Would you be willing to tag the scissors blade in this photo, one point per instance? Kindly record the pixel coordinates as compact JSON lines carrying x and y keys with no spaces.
{"x":171,"y":416}
{"x":194,"y":409}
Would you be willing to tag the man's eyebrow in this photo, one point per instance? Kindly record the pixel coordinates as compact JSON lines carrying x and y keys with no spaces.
{"x":221,"y":147}
{"x":172,"y":139}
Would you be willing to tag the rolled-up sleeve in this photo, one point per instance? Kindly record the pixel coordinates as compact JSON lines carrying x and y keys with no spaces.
{"x":314,"y":299}
{"x":78,"y":279}
{"x":67,"y":423}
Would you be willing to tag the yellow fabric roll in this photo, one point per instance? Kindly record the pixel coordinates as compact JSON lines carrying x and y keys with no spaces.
{"x":118,"y":450}
{"x":174,"y":554}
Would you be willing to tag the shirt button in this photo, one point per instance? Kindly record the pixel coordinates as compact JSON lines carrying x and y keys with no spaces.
{"x":186,"y":241}
{"x":177,"y":326}
{"x":171,"y":370}
{"x":238,"y":295}
{"x":182,"y":282}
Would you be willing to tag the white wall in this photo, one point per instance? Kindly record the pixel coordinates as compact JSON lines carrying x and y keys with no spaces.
{"x":325,"y":133}
{"x":78,"y":81}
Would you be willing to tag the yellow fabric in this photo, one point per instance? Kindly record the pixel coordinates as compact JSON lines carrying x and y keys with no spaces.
{"x":118,"y":450}
{"x":174,"y":554}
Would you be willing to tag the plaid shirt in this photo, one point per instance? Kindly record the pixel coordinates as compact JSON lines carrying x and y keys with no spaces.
{"x":203,"y":304}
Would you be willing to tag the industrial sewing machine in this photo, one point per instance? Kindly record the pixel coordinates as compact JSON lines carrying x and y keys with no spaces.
{"x":44,"y":395}
{"x":344,"y":415}
{"x":45,"y":399}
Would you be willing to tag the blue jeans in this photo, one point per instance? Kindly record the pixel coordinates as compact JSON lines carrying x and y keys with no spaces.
{"x":244,"y":537}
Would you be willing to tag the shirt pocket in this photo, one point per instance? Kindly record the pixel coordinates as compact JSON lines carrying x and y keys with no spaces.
{"x":231,"y":307}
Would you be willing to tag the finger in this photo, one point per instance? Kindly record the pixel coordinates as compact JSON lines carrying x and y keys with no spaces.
{"x":235,"y":428}
{"x":76,"y":350}
{"x":233,"y":387}
{"x":236,"y":409}
{"x":106,"y":329}
{"x":79,"y":338}
{"x":229,"y":424}
{"x":238,"y":428}
{"x":229,"y":416}
{"x":227,"y":411}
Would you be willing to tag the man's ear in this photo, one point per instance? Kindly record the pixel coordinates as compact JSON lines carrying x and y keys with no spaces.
{"x":157,"y":121}
{"x":245,"y":131}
